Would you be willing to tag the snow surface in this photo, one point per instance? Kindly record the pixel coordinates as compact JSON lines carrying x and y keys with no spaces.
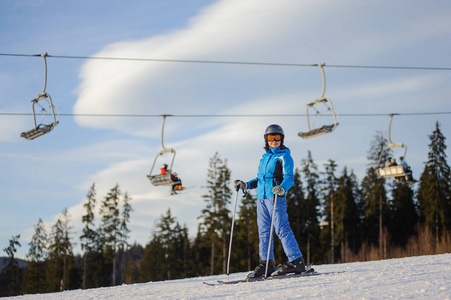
{"x":422,"y":277}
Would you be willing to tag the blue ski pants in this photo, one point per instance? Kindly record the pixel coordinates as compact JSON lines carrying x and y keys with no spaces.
{"x":281,"y":226}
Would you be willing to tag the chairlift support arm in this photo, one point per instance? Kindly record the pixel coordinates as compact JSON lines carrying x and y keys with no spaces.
{"x":45,"y":72}
{"x":389,"y":128}
{"x":162,"y":131}
{"x":324,"y":79}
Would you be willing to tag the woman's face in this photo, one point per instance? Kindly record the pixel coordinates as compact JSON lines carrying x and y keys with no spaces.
{"x":274,"y":143}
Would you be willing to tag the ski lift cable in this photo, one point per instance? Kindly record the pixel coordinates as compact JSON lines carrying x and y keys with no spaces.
{"x":231,"y":62}
{"x":223,"y":116}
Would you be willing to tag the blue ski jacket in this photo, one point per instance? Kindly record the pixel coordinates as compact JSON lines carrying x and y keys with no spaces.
{"x":265,"y":180}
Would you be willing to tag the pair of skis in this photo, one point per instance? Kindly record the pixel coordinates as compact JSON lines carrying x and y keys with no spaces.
{"x":309,"y":271}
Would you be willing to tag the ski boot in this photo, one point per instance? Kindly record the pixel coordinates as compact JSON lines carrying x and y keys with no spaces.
{"x":260,"y":270}
{"x":296,"y":266}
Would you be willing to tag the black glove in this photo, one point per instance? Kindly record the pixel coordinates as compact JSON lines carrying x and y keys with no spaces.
{"x":280,"y":191}
{"x":238,"y":184}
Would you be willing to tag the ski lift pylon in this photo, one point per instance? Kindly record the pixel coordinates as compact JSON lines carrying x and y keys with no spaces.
{"x":168,"y":178}
{"x":330,"y":108}
{"x":41,"y":129}
{"x":396,"y":171}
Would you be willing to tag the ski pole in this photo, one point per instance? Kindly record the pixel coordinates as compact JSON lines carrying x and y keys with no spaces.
{"x":231,"y":233}
{"x":270,"y":234}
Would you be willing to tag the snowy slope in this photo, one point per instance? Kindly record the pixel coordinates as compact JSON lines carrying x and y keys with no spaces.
{"x":423,"y":277}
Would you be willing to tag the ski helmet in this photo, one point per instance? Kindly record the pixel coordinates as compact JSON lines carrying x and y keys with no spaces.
{"x":274,"y":129}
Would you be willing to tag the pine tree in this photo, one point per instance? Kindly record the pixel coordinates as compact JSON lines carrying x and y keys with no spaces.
{"x":110,"y":228}
{"x":310,"y":210}
{"x":34,"y":278}
{"x":377,"y":145}
{"x":11,"y":273}
{"x":403,"y":215}
{"x":133,"y":257}
{"x":125,"y":232}
{"x":153,"y":266}
{"x":347,"y":213}
{"x":167,"y":256}
{"x":60,"y":253}
{"x":374,"y":196}
{"x":329,"y":191}
{"x":434,"y":194}
{"x":201,"y":252}
{"x":181,"y":253}
{"x":216,"y":215}
{"x":295,"y":197}
{"x":166,"y":236}
{"x":89,"y":236}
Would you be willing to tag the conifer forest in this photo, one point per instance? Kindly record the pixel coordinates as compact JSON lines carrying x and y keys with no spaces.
{"x":335,"y":217}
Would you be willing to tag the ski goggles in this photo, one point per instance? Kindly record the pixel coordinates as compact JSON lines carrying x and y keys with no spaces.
{"x":271,"y":137}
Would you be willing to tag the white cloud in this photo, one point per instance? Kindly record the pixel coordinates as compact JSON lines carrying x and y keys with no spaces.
{"x":221,"y":31}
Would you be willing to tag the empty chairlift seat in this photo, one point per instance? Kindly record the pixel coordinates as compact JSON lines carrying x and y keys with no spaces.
{"x":320,"y":107}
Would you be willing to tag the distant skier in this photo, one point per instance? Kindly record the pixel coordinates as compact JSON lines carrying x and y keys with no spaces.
{"x":177,"y":182}
{"x":406,"y":169}
{"x":164,"y":169}
{"x":390,"y":162}
{"x":274,"y":176}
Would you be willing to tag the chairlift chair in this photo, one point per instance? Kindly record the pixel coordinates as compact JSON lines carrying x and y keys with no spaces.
{"x":312,"y":132}
{"x":163,"y":179}
{"x":41,"y":129}
{"x":392,"y":171}
{"x":396,"y":171}
{"x":169,"y":178}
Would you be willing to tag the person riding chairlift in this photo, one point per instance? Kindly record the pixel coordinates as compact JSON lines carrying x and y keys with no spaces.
{"x":164,"y":169}
{"x":174,"y":178}
{"x":406,"y":169}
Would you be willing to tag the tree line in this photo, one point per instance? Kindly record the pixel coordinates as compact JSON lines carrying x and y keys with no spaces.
{"x":334,"y":217}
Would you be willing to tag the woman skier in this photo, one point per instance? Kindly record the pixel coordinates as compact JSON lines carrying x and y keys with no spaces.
{"x":274,"y":176}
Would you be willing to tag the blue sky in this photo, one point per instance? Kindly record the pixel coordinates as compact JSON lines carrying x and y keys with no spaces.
{"x":40,"y":178}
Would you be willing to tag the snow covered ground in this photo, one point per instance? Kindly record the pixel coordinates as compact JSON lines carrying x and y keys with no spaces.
{"x":422,"y":277}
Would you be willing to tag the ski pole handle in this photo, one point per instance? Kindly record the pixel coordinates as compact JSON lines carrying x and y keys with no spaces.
{"x":240,"y":184}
